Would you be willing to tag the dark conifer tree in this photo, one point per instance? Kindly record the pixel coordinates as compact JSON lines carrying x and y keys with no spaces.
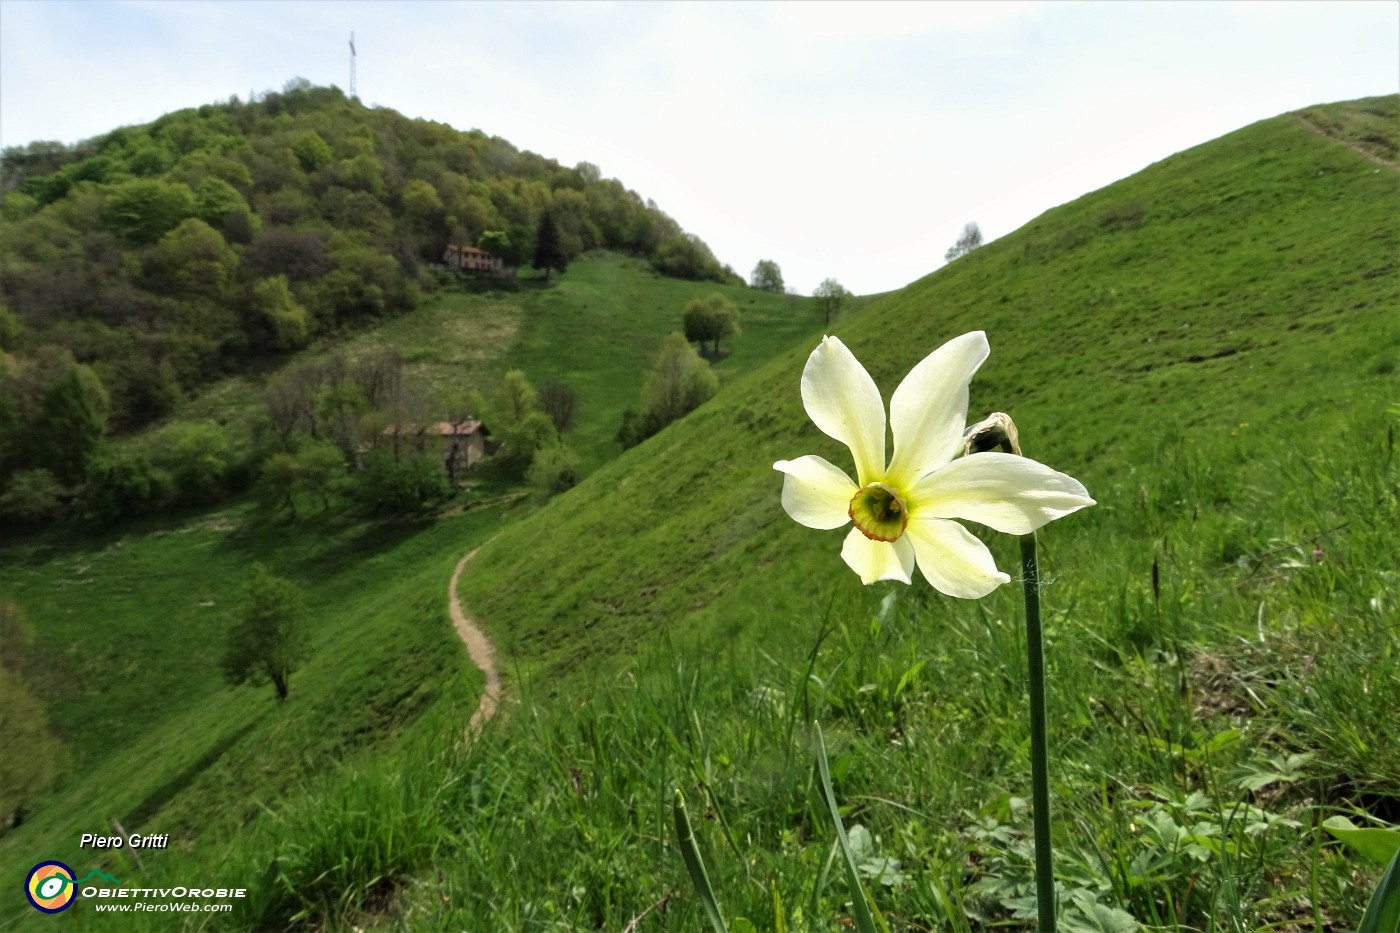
{"x":549,"y":253}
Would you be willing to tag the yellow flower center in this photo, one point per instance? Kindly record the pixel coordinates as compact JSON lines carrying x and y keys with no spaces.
{"x":879,"y":512}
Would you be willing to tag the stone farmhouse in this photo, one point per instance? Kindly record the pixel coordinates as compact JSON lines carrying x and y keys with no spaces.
{"x":461,"y":444}
{"x":471,"y":259}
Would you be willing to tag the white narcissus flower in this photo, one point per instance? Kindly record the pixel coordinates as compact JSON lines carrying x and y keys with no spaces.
{"x":903,"y":512}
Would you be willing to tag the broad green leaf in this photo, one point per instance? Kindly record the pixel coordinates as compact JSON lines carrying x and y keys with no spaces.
{"x":1383,"y":914}
{"x":1089,"y":916}
{"x":883,"y":870}
{"x":1373,"y":842}
{"x":862,"y":845}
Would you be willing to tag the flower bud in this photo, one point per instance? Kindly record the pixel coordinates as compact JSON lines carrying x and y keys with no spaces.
{"x":997,"y":430}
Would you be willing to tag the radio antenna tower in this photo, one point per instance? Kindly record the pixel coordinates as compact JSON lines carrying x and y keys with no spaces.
{"x":354,"y":92}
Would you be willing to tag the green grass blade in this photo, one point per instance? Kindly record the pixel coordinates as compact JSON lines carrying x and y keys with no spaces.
{"x":694,"y":864}
{"x":1383,"y":913}
{"x":865,"y":922}
{"x":820,"y":886}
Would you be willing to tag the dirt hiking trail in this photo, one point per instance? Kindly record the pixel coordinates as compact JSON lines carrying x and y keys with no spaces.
{"x":1359,"y":150}
{"x":480,"y":650}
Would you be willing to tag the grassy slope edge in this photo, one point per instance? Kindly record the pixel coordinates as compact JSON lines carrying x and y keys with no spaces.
{"x":1211,"y":345}
{"x":1250,"y":280}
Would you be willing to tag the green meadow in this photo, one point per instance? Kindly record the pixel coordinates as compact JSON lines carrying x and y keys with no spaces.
{"x":595,"y":328}
{"x":1210,"y":345}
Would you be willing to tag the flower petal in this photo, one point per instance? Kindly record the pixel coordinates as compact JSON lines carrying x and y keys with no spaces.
{"x":929,"y":409}
{"x":1002,"y":491}
{"x":842,"y":400}
{"x":952,"y":560}
{"x":878,"y":560}
{"x":816,"y":493}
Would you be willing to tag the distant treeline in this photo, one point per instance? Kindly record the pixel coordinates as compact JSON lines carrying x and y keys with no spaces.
{"x":161,"y":256}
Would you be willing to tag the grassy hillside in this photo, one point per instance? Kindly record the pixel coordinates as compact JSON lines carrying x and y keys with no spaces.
{"x":1367,"y":125}
{"x":1210,"y":346}
{"x":1229,"y":296}
{"x":132,"y":620}
{"x":132,"y":629}
{"x":597,"y":328}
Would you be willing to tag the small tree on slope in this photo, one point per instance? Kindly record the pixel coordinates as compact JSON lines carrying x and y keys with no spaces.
{"x":268,"y":642}
{"x":971,"y":239}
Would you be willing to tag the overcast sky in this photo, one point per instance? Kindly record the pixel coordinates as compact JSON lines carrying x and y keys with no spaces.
{"x":841,"y":140}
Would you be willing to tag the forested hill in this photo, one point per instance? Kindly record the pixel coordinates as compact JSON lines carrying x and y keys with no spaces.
{"x":141,"y":263}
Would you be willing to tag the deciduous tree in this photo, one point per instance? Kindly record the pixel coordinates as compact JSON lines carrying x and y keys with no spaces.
{"x":311,"y":151}
{"x":198,"y":459}
{"x":679,"y":382}
{"x":830,"y":299}
{"x":192,"y":261}
{"x":68,"y":430}
{"x":710,"y":317}
{"x":515,"y":399}
{"x":971,"y":239}
{"x":215,"y":199}
{"x":268,"y":641}
{"x":767,"y":277}
{"x":686,"y":256}
{"x":560,"y":402}
{"x":276,"y":487}
{"x":123,"y":485}
{"x":555,"y":468}
{"x":141,"y":211}
{"x":497,"y":243}
{"x":521,"y":440}
{"x":399,"y":484}
{"x":283,"y":315}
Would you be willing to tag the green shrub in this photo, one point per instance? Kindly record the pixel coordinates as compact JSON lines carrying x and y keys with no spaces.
{"x":33,"y":497}
{"x":679,"y":382}
{"x":554,"y":469}
{"x":123,"y":486}
{"x":390,"y":486}
{"x":199,"y":462}
{"x":520,"y":441}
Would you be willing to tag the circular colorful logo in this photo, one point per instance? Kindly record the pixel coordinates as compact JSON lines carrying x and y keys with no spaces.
{"x":50,"y":887}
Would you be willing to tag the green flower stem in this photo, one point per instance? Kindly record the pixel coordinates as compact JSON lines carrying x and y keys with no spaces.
{"x":1040,"y":755}
{"x":997,"y":430}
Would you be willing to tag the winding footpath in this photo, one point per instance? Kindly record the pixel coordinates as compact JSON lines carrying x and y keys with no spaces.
{"x":482,"y":653}
{"x":1359,"y":150}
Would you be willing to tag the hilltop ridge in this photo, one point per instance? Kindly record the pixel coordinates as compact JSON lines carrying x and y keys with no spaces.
{"x":163,"y":256}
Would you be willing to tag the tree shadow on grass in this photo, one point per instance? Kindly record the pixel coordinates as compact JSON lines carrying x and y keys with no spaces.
{"x":322,"y":545}
{"x":182,"y":779}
